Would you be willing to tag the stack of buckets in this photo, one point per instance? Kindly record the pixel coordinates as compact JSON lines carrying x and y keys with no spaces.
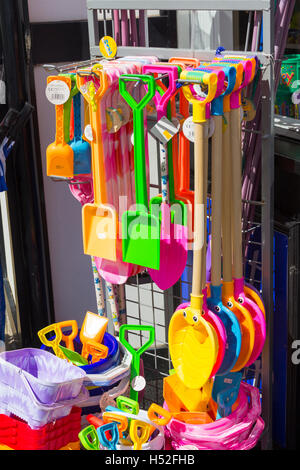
{"x":39,"y":394}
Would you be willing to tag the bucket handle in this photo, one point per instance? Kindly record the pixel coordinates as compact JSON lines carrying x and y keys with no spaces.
{"x":83,"y":395}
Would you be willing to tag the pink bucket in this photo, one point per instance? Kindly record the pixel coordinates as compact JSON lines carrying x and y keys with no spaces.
{"x":239,"y":431}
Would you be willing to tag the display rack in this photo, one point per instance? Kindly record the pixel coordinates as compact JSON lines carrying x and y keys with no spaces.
{"x":145,"y":302}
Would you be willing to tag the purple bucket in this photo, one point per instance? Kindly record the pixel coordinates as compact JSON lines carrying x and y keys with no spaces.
{"x":38,"y":386}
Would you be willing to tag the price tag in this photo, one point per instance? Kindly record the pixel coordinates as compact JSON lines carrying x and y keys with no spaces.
{"x":163,"y":130}
{"x":248,"y":110}
{"x":188,"y":129}
{"x":57,"y":92}
{"x":108,"y":47}
{"x":88,"y":132}
{"x":138,"y":383}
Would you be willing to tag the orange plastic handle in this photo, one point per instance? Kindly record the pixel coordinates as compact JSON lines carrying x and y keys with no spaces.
{"x":121,"y":421}
{"x":59,"y":110}
{"x":68,"y":339}
{"x":155,"y":410}
{"x":96,"y":350}
{"x":185,"y":61}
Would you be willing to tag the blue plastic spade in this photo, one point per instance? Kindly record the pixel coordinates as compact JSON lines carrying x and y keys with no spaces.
{"x":81,"y":148}
{"x":232,"y":327}
{"x":112,"y":428}
{"x":225,"y":392}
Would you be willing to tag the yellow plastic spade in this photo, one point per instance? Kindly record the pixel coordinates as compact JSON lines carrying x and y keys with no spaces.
{"x":193,"y":342}
{"x":52,"y":343}
{"x":139,"y":433}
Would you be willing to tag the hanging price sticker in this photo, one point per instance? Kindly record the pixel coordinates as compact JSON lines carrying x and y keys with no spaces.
{"x":57,"y":92}
{"x":188,"y":129}
{"x":138,"y":383}
{"x":88,"y":132}
{"x":108,"y":47}
{"x":163,"y":130}
{"x":248,"y":110}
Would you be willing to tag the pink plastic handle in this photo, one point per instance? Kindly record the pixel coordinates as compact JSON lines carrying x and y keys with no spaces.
{"x":161,"y":101}
{"x":235,"y":101}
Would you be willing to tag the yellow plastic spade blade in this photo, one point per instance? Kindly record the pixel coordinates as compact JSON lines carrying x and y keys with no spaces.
{"x":193,"y":346}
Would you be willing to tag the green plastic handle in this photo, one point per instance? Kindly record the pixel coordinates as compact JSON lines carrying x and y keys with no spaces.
{"x":138,"y":131}
{"x":89,"y":438}
{"x":136,"y":354}
{"x":127,"y":405}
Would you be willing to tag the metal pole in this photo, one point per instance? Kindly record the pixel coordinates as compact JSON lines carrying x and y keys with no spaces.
{"x":267,"y":230}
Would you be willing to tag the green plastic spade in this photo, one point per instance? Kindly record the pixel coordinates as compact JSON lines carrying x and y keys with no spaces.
{"x":89,"y":438}
{"x":140,"y":229}
{"x":136,"y":354}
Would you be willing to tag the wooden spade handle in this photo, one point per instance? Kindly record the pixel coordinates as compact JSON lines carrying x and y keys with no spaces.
{"x":216,"y":197}
{"x":205,"y":179}
{"x":199,"y":151}
{"x":236,"y":200}
{"x":226,"y":204}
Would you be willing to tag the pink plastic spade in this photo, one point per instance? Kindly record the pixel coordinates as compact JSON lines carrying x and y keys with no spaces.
{"x":174,"y":234}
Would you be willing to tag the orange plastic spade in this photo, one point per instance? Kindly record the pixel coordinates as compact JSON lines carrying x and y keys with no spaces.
{"x":96,"y":350}
{"x":68,"y":339}
{"x":60,"y":157}
{"x":99,"y":219}
{"x":93,"y":328}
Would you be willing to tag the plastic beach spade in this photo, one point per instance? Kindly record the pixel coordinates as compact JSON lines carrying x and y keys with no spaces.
{"x":59,"y":154}
{"x":136,"y":354}
{"x":173,"y":244}
{"x":140,"y":229}
{"x":99,"y":220}
{"x":81,"y":148}
{"x":193,"y":341}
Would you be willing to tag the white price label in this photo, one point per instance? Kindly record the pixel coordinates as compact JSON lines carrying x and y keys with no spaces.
{"x":88,"y":132}
{"x":138,"y":383}
{"x":57,"y":92}
{"x":188,"y":129}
